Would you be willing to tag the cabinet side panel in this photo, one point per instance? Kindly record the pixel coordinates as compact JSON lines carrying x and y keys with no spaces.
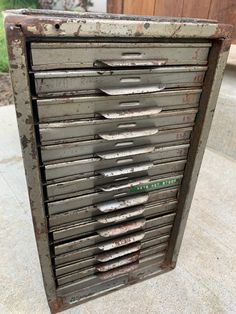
{"x":217,"y":61}
{"x":22,"y":98}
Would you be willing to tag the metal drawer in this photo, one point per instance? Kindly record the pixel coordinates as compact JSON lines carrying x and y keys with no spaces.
{"x":89,"y":148}
{"x":89,"y":266}
{"x":140,"y":223}
{"x":90,"y":245}
{"x":72,"y":55}
{"x":58,"y":109}
{"x":156,"y":259}
{"x":112,"y":196}
{"x":101,"y":166}
{"x":158,"y":226}
{"x":116,"y":125}
{"x":84,"y":227}
{"x":94,"y":251}
{"x":87,"y":213}
{"x":117,"y":82}
{"x":91,"y":270}
{"x":93,"y":169}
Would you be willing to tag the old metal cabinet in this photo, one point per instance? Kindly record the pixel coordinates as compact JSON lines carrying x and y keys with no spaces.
{"x":113,"y":114}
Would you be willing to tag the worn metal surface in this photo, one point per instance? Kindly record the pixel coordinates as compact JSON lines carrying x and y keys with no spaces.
{"x":89,"y":148}
{"x":100,"y":54}
{"x":186,"y":54}
{"x":76,"y":82}
{"x":131,"y":124}
{"x":70,"y":108}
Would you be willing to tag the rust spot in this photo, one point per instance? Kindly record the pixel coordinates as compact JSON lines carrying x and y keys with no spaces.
{"x":56,"y":305}
{"x":29,"y":120}
{"x":18,"y":114}
{"x":224,"y":31}
{"x":168,"y":264}
{"x":188,"y":98}
{"x":78,"y":30}
{"x":24,"y":142}
{"x":146,"y":25}
{"x":139,"y":30}
{"x":199,"y":78}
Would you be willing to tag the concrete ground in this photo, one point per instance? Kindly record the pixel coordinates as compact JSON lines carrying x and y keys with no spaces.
{"x":203,"y":282}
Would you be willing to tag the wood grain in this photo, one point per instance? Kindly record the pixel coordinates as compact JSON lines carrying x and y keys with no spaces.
{"x":168,"y":7}
{"x":139,"y":7}
{"x":115,"y":6}
{"x":198,"y":9}
{"x":224,"y":11}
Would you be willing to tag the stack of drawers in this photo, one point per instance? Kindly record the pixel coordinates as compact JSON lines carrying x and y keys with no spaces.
{"x":114,"y":122}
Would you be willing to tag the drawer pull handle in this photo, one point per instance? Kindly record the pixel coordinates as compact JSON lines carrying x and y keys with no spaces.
{"x":130,"y":63}
{"x":113,"y":136}
{"x":133,"y":90}
{"x":121,"y":215}
{"x":110,"y":255}
{"x":126,"y":153}
{"x":125,"y":170}
{"x":119,"y":271}
{"x":122,"y":241}
{"x":125,"y":260}
{"x":129,"y":113}
{"x":110,"y":206}
{"x":115,"y":187}
{"x":121,"y":229}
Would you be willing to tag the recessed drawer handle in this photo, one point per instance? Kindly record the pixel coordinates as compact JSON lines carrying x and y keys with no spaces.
{"x":126,"y":153}
{"x":133,"y":90}
{"x":129,"y":113}
{"x":112,"y":136}
{"x":121,"y":216}
{"x":125,"y":260}
{"x":121,"y":229}
{"x":119,"y":271}
{"x":130,"y":62}
{"x":122,"y":241}
{"x":125,"y":170}
{"x":116,"y":187}
{"x":110,"y":206}
{"x":110,"y":255}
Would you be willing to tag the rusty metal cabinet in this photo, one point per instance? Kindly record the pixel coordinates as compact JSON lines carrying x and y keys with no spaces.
{"x":113,"y":114}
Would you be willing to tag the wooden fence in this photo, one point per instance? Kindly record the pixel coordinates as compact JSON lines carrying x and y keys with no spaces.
{"x":222,"y":10}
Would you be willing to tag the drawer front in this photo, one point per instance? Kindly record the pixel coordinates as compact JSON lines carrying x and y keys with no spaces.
{"x":88,"y":244}
{"x":90,"y":212}
{"x":116,"y":81}
{"x":72,"y":55}
{"x":58,"y":109}
{"x":113,"y":195}
{"x":82,"y":168}
{"x":95,"y":216}
{"x":87,"y":254}
{"x":91,"y":265}
{"x":89,"y":148}
{"x":103,"y":221}
{"x":124,"y":123}
{"x":92,"y":282}
{"x":90,"y":170}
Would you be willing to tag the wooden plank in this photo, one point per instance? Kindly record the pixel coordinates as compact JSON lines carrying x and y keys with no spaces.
{"x":115,"y":6}
{"x":224,"y":12}
{"x":197,"y":9}
{"x":138,"y":7}
{"x":168,"y":7}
